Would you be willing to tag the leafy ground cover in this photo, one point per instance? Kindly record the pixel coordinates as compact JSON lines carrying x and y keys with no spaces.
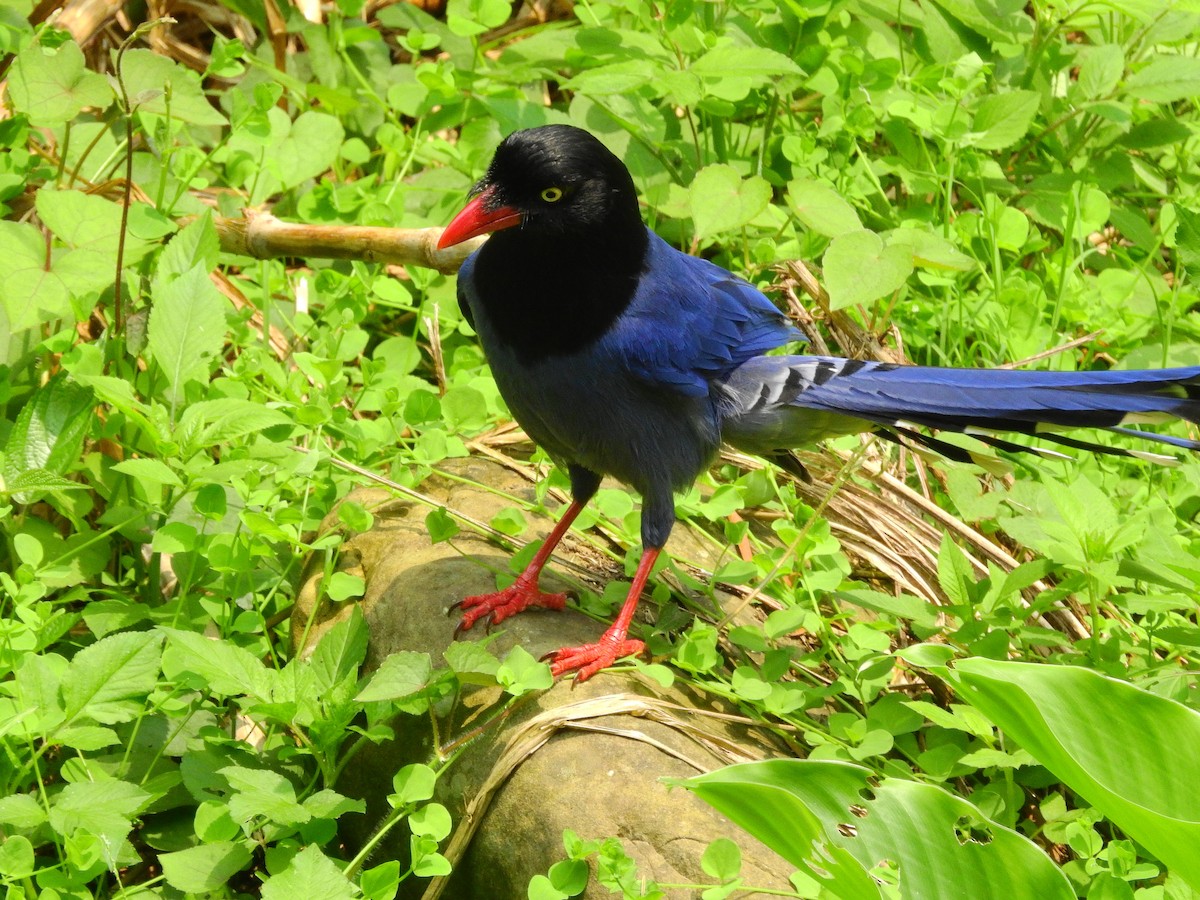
{"x":977,"y":182}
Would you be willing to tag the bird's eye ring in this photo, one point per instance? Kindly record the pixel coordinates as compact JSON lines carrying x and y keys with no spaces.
{"x":552,"y":194}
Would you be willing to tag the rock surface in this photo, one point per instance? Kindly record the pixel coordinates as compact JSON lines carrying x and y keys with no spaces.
{"x":589,"y":757}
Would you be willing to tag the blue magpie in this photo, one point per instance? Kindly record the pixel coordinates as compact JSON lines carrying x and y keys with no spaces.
{"x":619,"y":355}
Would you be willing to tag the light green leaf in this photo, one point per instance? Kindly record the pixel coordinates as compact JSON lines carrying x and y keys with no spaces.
{"x":402,"y":674}
{"x":821,"y":208}
{"x":16,"y":857}
{"x":262,"y":792}
{"x":340,"y":651}
{"x":152,"y":470}
{"x":101,"y":808}
{"x":1003,"y":119}
{"x":721,"y":200}
{"x":187,"y":327}
{"x":1067,"y":717}
{"x":219,"y":666}
{"x":860,"y":269}
{"x":1166,"y":79}
{"x":29,"y":293}
{"x":310,"y":147}
{"x":311,"y":875}
{"x":148,"y":75}
{"x":21,"y":811}
{"x":208,"y":867}
{"x":120,"y":667}
{"x":53,"y":85}
{"x":932,"y":251}
{"x":1100,"y":70}
{"x":802,"y":808}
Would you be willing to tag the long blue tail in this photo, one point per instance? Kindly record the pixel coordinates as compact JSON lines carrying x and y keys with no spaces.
{"x":778,"y":402}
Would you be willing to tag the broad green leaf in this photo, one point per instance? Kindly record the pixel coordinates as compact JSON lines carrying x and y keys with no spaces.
{"x":187,"y":328}
{"x":152,"y":470}
{"x":311,"y":875}
{"x":1166,"y":79}
{"x":860,"y":269}
{"x":721,"y":200}
{"x":520,"y":672}
{"x":341,"y":650}
{"x":208,"y":867}
{"x":121,"y":667}
{"x":930,"y":250}
{"x":104,"y":809}
{"x":148,"y":75}
{"x":1100,"y":70}
{"x":1129,"y":753}
{"x":1003,"y":119}
{"x":49,"y":431}
{"x":29,"y":294}
{"x":730,"y":72}
{"x":91,"y":227}
{"x":467,"y":18}
{"x":22,"y":811}
{"x":16,"y":857}
{"x":412,"y":784}
{"x":821,"y":208}
{"x":52,"y":86}
{"x":262,"y":792}
{"x":196,"y":245}
{"x":310,"y":147}
{"x":942,"y":845}
{"x":219,"y":666}
{"x":402,"y":674}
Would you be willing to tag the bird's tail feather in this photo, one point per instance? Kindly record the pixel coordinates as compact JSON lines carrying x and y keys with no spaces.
{"x":778,"y":401}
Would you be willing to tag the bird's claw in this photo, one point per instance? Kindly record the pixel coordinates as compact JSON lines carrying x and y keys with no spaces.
{"x":499,"y":605}
{"x":588,"y":659}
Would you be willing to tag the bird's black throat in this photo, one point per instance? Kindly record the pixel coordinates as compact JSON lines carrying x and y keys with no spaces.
{"x":552,"y":295}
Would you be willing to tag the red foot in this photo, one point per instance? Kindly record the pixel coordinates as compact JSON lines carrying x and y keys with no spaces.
{"x":497,"y":607}
{"x":591,"y":658}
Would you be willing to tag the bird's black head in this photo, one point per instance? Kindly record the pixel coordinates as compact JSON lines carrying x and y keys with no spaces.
{"x":556,"y":180}
{"x":568,"y":244}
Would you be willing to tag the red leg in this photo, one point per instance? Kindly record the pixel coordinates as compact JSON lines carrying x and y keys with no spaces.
{"x":589,"y":659}
{"x":523,"y":592}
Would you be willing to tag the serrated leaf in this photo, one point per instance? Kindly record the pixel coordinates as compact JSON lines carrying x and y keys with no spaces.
{"x":402,"y":674}
{"x":262,"y":792}
{"x":340,"y":651}
{"x":118,"y":668}
{"x":52,"y":86}
{"x":312,"y":875}
{"x":219,"y":666}
{"x":49,"y":431}
{"x":21,"y":811}
{"x":721,"y":200}
{"x":859,"y":268}
{"x":104,"y":809}
{"x":1003,"y":119}
{"x":1166,"y":79}
{"x":187,"y":328}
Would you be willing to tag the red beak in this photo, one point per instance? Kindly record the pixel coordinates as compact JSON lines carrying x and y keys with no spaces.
{"x":476,"y":219}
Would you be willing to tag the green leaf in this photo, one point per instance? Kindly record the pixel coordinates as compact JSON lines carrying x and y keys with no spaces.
{"x":312,"y":875}
{"x":104,"y":809}
{"x":262,"y":792}
{"x":860,"y":269}
{"x":412,"y":784}
{"x":16,"y":857}
{"x":380,"y":882}
{"x":91,"y":227}
{"x":722,"y":859}
{"x":310,"y":147}
{"x":208,"y":867}
{"x":402,"y":674}
{"x":1003,"y":119}
{"x":341,"y":650}
{"x":21,"y":811}
{"x":521,"y":673}
{"x":121,"y":667}
{"x":52,"y":86}
{"x":1100,"y":70}
{"x":152,"y":470}
{"x":1166,"y":79}
{"x":49,"y":431}
{"x":187,"y":328}
{"x":29,"y":293}
{"x":149,"y":76}
{"x":721,"y":200}
{"x":219,"y":666}
{"x":440,"y":525}
{"x":431,"y":820}
{"x":1068,"y":719}
{"x":830,"y":820}
{"x":342,"y":586}
{"x":955,"y":574}
{"x":821,"y":208}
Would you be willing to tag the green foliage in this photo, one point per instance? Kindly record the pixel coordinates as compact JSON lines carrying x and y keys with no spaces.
{"x":993,"y":178}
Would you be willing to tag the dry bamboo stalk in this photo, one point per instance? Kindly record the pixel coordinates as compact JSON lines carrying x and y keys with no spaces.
{"x":262,"y":236}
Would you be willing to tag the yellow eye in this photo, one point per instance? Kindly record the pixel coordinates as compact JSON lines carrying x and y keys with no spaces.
{"x":552,"y":194}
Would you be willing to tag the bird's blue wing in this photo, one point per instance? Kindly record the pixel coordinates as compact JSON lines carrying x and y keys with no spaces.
{"x":691,"y":321}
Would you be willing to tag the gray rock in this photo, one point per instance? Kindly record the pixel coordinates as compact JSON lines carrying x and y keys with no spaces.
{"x":586,"y":757}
